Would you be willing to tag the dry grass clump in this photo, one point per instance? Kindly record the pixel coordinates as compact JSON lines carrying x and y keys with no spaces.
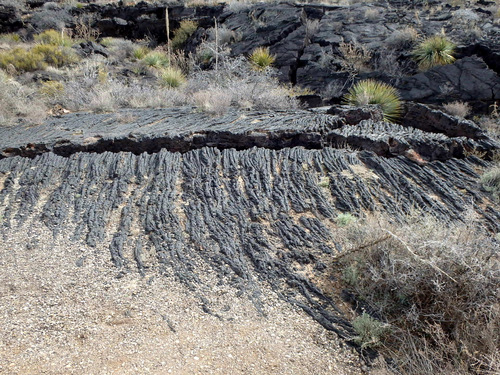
{"x":404,"y":38}
{"x":458,"y":109}
{"x":433,"y":287}
{"x":215,"y":102}
{"x":248,"y":88}
{"x":491,"y":180}
{"x":356,"y":57}
{"x":19,"y":102}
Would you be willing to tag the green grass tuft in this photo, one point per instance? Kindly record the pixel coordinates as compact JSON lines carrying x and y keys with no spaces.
{"x":434,"y":51}
{"x":156,"y":59}
{"x":140,"y":52}
{"x":345,"y":219}
{"x":374,"y":92}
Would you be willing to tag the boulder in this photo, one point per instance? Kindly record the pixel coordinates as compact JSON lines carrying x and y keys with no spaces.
{"x":468,"y":79}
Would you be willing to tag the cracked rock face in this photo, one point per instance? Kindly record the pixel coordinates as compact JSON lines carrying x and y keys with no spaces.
{"x":252,"y":197}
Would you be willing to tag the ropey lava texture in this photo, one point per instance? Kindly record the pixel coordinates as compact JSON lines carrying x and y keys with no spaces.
{"x":258,"y":213}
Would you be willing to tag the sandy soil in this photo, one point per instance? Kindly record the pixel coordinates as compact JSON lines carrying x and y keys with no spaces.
{"x":65,"y":310}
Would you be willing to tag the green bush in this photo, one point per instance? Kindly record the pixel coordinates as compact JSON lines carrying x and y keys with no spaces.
{"x":53,"y":37}
{"x":156,"y":59}
{"x":22,"y":60}
{"x":261,"y":58}
{"x":55,"y":55}
{"x":181,"y":35}
{"x":344,"y":219}
{"x":374,"y":92}
{"x":434,"y":51}
{"x":370,"y":332}
{"x":436,"y":284}
{"x":51,"y":89}
{"x":172,"y":77}
{"x":10,"y":38}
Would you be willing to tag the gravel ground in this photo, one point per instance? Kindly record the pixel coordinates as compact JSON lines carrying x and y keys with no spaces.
{"x":65,"y":309}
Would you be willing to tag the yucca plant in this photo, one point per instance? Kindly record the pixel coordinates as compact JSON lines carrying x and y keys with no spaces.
{"x":140,"y":52}
{"x":434,"y":51}
{"x":172,"y":77}
{"x":156,"y":59}
{"x":374,"y":92}
{"x":261,"y":58}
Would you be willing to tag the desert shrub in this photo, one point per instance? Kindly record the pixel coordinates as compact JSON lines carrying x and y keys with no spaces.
{"x":344,"y":219}
{"x":261,"y":58}
{"x":434,"y":51}
{"x":215,"y":102}
{"x":156,"y":59}
{"x":182,"y":34}
{"x":374,"y":92}
{"x":249,"y":88}
{"x":53,"y":37}
{"x":55,"y":18}
{"x":435,"y":285}
{"x":372,"y":15}
{"x":457,"y":109}
{"x":172,"y":77}
{"x":51,"y":89}
{"x":22,"y":60}
{"x":84,"y":29}
{"x":225,"y":36}
{"x":120,"y":49}
{"x":55,"y":55}
{"x":355,"y":57}
{"x":19,"y":102}
{"x":370,"y":332}
{"x":87,"y":93}
{"x":491,"y":181}
{"x":404,"y":38}
{"x":10,"y":38}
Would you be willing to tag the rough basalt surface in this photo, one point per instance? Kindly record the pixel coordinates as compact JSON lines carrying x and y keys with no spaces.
{"x":185,"y":129}
{"x":241,"y":196}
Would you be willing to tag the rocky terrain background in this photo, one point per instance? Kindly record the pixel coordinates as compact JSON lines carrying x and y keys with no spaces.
{"x":183,"y":239}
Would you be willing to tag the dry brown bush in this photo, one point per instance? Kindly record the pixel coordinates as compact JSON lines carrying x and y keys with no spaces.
{"x":436,"y":285}
{"x":458,"y":109}
{"x":356,"y":57}
{"x":18,"y":102}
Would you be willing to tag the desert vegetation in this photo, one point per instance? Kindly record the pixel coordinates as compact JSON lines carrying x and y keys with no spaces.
{"x":434,"y":51}
{"x":426,"y":293}
{"x":90,"y":82}
{"x":374,"y":92}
